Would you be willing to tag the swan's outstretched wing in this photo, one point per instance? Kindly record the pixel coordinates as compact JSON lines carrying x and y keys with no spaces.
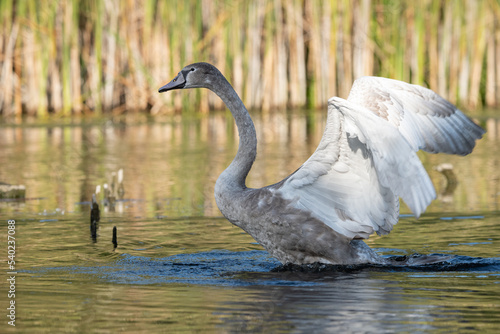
{"x":348,"y":184}
{"x":367,"y":157}
{"x":426,"y":120}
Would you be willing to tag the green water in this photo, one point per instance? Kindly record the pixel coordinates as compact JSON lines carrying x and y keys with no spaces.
{"x":180,"y":267}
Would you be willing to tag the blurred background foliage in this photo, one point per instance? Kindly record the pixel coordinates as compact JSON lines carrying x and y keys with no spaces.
{"x":72,"y":57}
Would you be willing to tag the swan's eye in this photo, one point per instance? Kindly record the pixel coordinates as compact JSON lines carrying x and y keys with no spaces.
{"x":192,"y":69}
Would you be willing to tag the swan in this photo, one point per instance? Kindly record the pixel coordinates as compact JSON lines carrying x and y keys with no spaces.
{"x":350,"y":186}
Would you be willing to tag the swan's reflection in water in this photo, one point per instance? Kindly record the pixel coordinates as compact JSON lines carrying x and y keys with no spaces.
{"x":361,"y":302}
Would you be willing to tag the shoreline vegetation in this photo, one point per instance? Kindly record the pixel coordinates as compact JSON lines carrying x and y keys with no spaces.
{"x":74,"y":57}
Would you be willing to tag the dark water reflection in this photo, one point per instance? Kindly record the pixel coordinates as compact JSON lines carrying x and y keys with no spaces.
{"x":180,"y":267}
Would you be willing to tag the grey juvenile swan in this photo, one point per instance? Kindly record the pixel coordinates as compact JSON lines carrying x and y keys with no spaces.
{"x":350,"y":187}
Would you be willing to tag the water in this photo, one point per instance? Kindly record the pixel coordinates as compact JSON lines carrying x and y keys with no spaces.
{"x":180,"y":267}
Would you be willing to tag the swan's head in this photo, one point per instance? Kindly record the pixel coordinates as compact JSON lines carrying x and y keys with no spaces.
{"x":197,"y":75}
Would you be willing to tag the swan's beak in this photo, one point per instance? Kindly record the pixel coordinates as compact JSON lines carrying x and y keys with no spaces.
{"x":177,"y":83}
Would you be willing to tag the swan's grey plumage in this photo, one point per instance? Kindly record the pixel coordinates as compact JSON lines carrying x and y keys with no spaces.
{"x":350,"y":187}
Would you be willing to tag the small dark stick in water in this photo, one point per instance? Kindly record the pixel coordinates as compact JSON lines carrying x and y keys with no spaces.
{"x":95,"y":214}
{"x":114,"y":240}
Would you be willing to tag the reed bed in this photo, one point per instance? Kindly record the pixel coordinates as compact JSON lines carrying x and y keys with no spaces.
{"x":70,"y":57}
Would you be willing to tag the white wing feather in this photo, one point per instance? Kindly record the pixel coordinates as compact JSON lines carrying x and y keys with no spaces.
{"x":366,"y":158}
{"x":426,"y":120}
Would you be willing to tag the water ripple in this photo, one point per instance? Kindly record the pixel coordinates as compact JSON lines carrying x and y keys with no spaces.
{"x":225,"y":268}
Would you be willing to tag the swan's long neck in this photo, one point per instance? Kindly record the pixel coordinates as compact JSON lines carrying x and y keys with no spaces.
{"x":235,"y":175}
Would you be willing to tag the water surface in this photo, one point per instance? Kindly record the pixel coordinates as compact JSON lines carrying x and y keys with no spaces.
{"x":180,"y":267}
